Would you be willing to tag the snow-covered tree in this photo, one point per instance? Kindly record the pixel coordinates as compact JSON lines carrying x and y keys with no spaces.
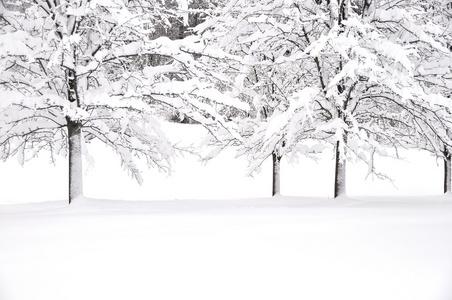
{"x":73,"y":71}
{"x":366,"y":65}
{"x":433,"y":73}
{"x":252,"y":35}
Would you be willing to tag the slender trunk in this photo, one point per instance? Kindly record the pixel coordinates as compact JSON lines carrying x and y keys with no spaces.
{"x":276,"y":188}
{"x":339,"y":174}
{"x":447,"y":171}
{"x":75,"y":159}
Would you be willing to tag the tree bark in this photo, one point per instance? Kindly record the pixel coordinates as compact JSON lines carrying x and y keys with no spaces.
{"x":75,"y":159}
{"x":276,"y":187}
{"x":447,"y":172}
{"x":339,"y":174}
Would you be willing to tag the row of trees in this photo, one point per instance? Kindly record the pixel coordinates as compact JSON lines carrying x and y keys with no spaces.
{"x":360,"y":75}
{"x":274,"y":78}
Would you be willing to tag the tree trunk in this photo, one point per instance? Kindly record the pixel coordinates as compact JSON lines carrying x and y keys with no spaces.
{"x":75,"y":159}
{"x":339,"y":174}
{"x":276,"y":187}
{"x":447,"y":171}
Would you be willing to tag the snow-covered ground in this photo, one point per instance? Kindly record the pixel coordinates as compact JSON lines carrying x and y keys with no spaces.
{"x":286,"y":248}
{"x":299,"y":246}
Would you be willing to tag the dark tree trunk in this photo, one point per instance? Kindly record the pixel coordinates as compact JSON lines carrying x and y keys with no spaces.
{"x":339,"y":174}
{"x":75,"y":159}
{"x":447,"y":171}
{"x":276,"y":186}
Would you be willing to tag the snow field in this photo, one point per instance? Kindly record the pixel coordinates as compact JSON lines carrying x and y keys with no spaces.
{"x":286,"y":248}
